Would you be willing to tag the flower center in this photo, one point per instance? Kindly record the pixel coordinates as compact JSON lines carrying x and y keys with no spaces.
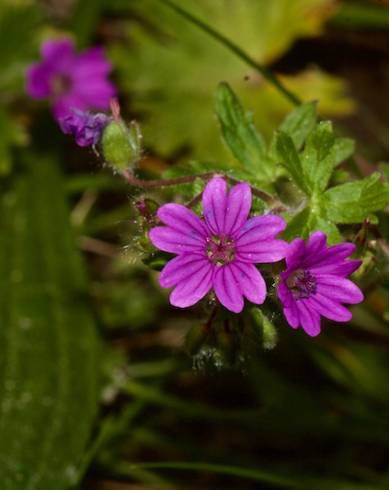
{"x":301,"y":283}
{"x":61,"y":84}
{"x":220,"y":250}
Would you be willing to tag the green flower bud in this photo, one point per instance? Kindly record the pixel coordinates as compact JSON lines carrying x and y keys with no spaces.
{"x":265,"y":326}
{"x":121,"y":144}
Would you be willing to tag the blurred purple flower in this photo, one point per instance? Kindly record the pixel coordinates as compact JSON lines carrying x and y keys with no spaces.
{"x":71,"y":80}
{"x":219,"y":252}
{"x":314,"y":283}
{"x":84,"y":126}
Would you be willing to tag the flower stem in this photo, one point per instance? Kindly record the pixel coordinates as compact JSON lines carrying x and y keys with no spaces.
{"x":263,"y":70}
{"x":188,"y":179}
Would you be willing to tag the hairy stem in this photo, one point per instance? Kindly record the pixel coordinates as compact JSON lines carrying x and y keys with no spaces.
{"x":263,"y":70}
{"x":187,"y":179}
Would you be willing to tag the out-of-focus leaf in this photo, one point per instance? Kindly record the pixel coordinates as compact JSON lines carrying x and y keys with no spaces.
{"x":86,"y":15}
{"x":165,"y":72}
{"x":18,"y":24}
{"x":240,"y":134}
{"x":49,"y":345}
{"x":11,"y":133}
{"x":361,"y":15}
{"x":354,"y":201}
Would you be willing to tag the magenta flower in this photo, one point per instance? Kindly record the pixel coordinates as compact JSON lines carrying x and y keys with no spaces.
{"x":220,"y":251}
{"x":84,"y":126}
{"x":71,"y":80}
{"x":314,"y":283}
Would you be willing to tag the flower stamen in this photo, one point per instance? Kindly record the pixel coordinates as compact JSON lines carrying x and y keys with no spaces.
{"x":220,"y":250}
{"x":301,"y":283}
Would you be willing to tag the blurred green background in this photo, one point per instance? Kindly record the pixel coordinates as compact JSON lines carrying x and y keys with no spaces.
{"x":97,"y":389}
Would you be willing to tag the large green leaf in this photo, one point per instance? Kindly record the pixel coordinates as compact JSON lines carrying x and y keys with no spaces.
{"x":240,"y":134}
{"x":48,"y":341}
{"x":354,"y":201}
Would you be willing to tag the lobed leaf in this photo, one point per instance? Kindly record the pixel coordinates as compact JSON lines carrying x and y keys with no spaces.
{"x":289,"y":157}
{"x":354,"y":201}
{"x":240,"y":134}
{"x":300,"y":122}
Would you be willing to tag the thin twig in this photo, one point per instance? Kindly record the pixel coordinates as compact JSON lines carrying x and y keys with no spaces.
{"x":188,"y":179}
{"x":193,"y":202}
{"x":98,"y":247}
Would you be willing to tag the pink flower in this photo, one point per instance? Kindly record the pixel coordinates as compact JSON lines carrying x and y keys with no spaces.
{"x":71,"y":80}
{"x":220,"y":251}
{"x":314,"y":283}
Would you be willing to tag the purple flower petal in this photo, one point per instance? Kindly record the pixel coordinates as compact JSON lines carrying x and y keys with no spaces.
{"x":65,"y":105}
{"x":309,"y":318}
{"x":173,"y":241}
{"x":316,"y":243}
{"x":214,"y":204}
{"x":72,"y":81}
{"x":292,"y":315}
{"x":338,"y":268}
{"x":238,"y":208}
{"x":331,"y":255}
{"x":183,"y":219}
{"x":330,"y":309}
{"x":260,"y":228}
{"x":227,"y":289}
{"x":262,"y":252}
{"x":338,"y":288}
{"x":295,"y":253}
{"x":192,"y":289}
{"x":251,"y":282}
{"x":91,"y":63}
{"x":56,"y":50}
{"x":180,"y":268}
{"x":283,"y":292}
{"x":95,"y":94}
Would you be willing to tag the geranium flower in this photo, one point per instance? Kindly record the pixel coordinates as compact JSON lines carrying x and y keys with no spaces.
{"x":84,"y":126}
{"x":71,"y":80}
{"x":218,"y":251}
{"x":314,"y":283}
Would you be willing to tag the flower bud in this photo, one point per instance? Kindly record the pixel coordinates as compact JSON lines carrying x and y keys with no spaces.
{"x":121,"y":144}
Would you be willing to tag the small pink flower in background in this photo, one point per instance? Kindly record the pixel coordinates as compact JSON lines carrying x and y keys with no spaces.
{"x":314,"y":283}
{"x":220,"y":251}
{"x":71,"y":80}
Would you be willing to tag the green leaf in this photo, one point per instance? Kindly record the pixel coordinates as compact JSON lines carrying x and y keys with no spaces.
{"x":309,"y":220}
{"x":289,"y":157}
{"x":240,"y":134}
{"x":318,"y":157}
{"x":354,"y":201}
{"x":12,"y":134}
{"x":18,"y":26}
{"x":344,"y":148}
{"x":49,"y":346}
{"x":299,"y":123}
